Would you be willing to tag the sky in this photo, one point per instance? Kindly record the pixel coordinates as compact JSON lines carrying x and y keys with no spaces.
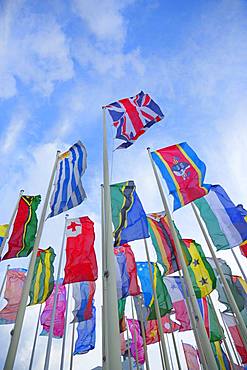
{"x":60,"y":61}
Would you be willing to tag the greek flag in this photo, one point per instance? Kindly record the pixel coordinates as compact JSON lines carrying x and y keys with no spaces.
{"x":68,"y":190}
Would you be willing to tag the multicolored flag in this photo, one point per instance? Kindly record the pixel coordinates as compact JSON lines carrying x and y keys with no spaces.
{"x":209,"y":317}
{"x":83,"y":294}
{"x":201,"y":273}
{"x":230,"y":322}
{"x":220,"y":356}
{"x":164,"y":244}
{"x":81,"y":263}
{"x":142,"y":311}
{"x":121,"y":312}
{"x":45,"y":318}
{"x":13,"y":292}
{"x":191,"y":356}
{"x":68,"y":190}
{"x":163,"y":297}
{"x":127,"y":283}
{"x":43,"y":277}
{"x":243,"y":248}
{"x":3,"y":231}
{"x":137,"y":341}
{"x":22,"y":239}
{"x":86,"y":331}
{"x":128,"y":216}
{"x":175,"y":289}
{"x":183,"y":172}
{"x":225,"y":222}
{"x":152,"y":330}
{"x":133,"y":116}
{"x":122,"y":344}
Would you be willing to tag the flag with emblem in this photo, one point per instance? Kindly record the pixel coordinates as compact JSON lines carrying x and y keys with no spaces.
{"x":152,"y":330}
{"x":136,"y":346}
{"x":220,"y":356}
{"x":81,"y":264}
{"x":183,"y":172}
{"x":3,"y":231}
{"x":133,"y":116}
{"x":164,"y":244}
{"x":68,"y":190}
{"x":86,"y":331}
{"x":163,"y":297}
{"x":201,"y":272}
{"x":43,"y":276}
{"x":128,"y":216}
{"x":22,"y":239}
{"x":211,"y":323}
{"x":191,"y":356}
{"x":83,"y":293}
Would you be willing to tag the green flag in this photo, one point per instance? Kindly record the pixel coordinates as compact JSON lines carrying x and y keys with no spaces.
{"x":213,"y":328}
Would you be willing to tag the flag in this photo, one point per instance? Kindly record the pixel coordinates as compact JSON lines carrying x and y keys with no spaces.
{"x":142,"y":311}
{"x":201,"y":273}
{"x":241,"y":287}
{"x":13,"y":292}
{"x":224,"y":221}
{"x":175,"y":289}
{"x":191,"y":356}
{"x":164,"y":244}
{"x":3,"y":231}
{"x":133,"y":116}
{"x":86,"y":335}
{"x":22,"y":239}
{"x":137,"y":341}
{"x":127,"y":283}
{"x":68,"y":190}
{"x":81,"y":264}
{"x":128,"y":216}
{"x":209,"y":317}
{"x":183,"y":172}
{"x":243,"y":248}
{"x":121,"y":317}
{"x":152,"y":329}
{"x":45,"y":318}
{"x":122,"y":344}
{"x":164,"y":300}
{"x":83,"y":293}
{"x":43,"y":276}
{"x":220,"y":356}
{"x":230,"y":322}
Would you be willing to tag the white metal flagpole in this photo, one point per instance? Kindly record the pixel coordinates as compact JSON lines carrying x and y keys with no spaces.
{"x":10,"y":359}
{"x":65,"y":330}
{"x":35,"y":340}
{"x":4,"y":279}
{"x":72,"y":347}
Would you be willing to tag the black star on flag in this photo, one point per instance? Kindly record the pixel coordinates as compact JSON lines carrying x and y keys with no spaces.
{"x":204,"y":281}
{"x":196,"y":262}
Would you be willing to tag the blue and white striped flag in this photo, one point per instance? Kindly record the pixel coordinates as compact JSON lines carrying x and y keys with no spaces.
{"x":68,"y":190}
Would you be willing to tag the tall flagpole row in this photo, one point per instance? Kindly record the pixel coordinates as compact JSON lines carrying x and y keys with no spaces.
{"x":4,"y":280}
{"x":10,"y":359}
{"x":65,"y":330}
{"x":198,"y":317}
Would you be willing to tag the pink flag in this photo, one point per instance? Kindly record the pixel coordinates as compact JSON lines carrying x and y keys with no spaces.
{"x":45,"y":318}
{"x":191,"y":357}
{"x":13,"y":292}
{"x":122,"y":343}
{"x":152,"y":332}
{"x":135,"y":328}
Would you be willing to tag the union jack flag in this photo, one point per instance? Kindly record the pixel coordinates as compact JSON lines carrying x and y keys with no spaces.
{"x":133,"y":116}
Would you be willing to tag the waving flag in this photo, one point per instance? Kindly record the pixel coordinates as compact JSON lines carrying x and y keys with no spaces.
{"x":191,"y":356}
{"x":86,"y":335}
{"x":13,"y":293}
{"x":43,"y":276}
{"x":183,"y":172}
{"x":3,"y":230}
{"x":22,"y":239}
{"x":152,"y":330}
{"x":121,"y":317}
{"x":68,"y":190}
{"x":137,"y":341}
{"x":164,"y":244}
{"x":81,"y":264}
{"x":243,"y":248}
{"x":142,"y":311}
{"x":133,"y":116}
{"x":128,"y":216}
{"x":213,"y":329}
{"x":83,"y":294}
{"x":220,"y":356}
{"x":225,"y":222}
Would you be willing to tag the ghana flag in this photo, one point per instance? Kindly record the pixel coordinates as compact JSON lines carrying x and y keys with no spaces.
{"x":24,"y":231}
{"x":43,"y":277}
{"x":201,"y":273}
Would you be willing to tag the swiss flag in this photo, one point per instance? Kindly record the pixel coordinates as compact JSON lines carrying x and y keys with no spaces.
{"x":81,"y":263}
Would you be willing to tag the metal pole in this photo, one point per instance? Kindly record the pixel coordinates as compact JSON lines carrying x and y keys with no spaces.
{"x":175,"y":344}
{"x":143,"y":335}
{"x":128,"y":348}
{"x":72,"y":346}
{"x":10,"y":223}
{"x":229,"y":295}
{"x":169,"y":350}
{"x":135,"y":339}
{"x":4,"y":279}
{"x":161,"y":356}
{"x":65,"y":330}
{"x":49,"y":343}
{"x":113,"y":334}
{"x":230,"y":340}
{"x":239,"y":265}
{"x":209,"y":355}
{"x":157,"y":311}
{"x":35,"y":340}
{"x":10,"y":359}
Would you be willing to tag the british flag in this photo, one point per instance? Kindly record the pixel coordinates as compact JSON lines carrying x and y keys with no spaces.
{"x":133,"y":116}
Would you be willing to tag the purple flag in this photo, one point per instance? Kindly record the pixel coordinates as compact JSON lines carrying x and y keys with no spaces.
{"x":135,"y":328}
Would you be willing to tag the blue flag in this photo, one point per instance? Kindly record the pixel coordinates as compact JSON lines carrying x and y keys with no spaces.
{"x":86,"y":335}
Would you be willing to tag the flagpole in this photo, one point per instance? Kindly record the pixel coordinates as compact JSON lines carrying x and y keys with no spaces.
{"x":174,"y":344}
{"x":230,"y":340}
{"x":4,"y":280}
{"x":195,"y":308}
{"x":169,"y":350}
{"x":229,"y":295}
{"x":157,"y":311}
{"x":135,"y":339}
{"x":72,"y":346}
{"x":128,"y":349}
{"x":161,"y":356}
{"x":65,"y":330}
{"x":10,"y":223}
{"x":10,"y":359}
{"x":239,"y":264}
{"x":49,"y":342}
{"x":114,"y":355}
{"x":35,"y":340}
{"x":143,"y":335}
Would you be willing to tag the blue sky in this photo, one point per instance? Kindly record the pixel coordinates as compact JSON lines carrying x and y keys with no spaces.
{"x":61,"y":61}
